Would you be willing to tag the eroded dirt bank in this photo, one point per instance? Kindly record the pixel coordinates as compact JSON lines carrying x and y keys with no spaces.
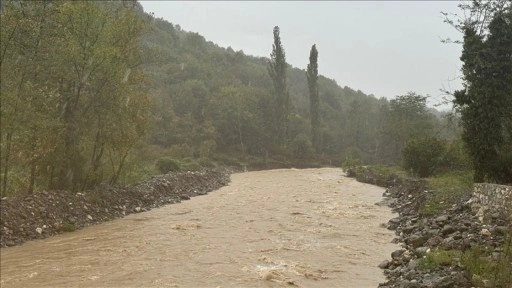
{"x":308,"y":228}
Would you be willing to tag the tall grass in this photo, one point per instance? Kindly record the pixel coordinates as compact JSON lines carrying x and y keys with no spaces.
{"x":446,"y":189}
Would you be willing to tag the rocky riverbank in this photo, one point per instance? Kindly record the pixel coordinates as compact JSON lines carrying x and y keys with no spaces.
{"x":47,"y":213}
{"x":434,"y":246}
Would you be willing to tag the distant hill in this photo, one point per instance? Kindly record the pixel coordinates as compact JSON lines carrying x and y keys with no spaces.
{"x":100,"y":91}
{"x":196,"y":83}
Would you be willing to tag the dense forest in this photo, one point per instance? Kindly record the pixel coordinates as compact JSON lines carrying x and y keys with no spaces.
{"x":102,"y":92}
{"x":222,"y":99}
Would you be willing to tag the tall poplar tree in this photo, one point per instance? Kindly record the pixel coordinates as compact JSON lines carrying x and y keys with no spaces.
{"x":277,"y":71}
{"x":314,"y":100}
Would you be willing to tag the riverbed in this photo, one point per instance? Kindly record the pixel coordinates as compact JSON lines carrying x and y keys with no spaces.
{"x":274,"y":228}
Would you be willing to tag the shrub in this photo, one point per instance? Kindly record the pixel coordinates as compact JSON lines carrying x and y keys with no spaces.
{"x":181,"y":151}
{"x":191,"y":166}
{"x":301,"y":146}
{"x":456,"y":157}
{"x":68,"y":227}
{"x":437,"y":258}
{"x":423,"y":156}
{"x":167,"y":164}
{"x":487,"y":272}
{"x":206,"y":162}
{"x":351,"y":158}
{"x":207,"y":148}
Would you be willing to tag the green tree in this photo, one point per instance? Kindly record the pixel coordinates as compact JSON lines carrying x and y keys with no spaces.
{"x":314,"y":99}
{"x":407,"y":117}
{"x":485,"y":103}
{"x":232,"y":112}
{"x":100,"y":69}
{"x":423,"y":156}
{"x":277,"y":67}
{"x":29,"y":109}
{"x":71,"y":92}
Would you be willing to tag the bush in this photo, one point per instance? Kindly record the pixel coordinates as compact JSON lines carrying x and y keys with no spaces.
{"x":436,"y":258}
{"x":301,"y":146}
{"x":167,"y":164}
{"x":351,"y":158}
{"x":191,"y":166}
{"x":181,"y":151}
{"x":423,"y":156}
{"x":456,"y":157}
{"x":206,"y":162}
{"x":207,"y":148}
{"x":486,"y":271}
{"x":68,"y":227}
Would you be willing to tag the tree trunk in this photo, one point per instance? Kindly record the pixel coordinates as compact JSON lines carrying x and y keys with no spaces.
{"x":6,"y":162}
{"x":32,"y":177}
{"x":115,"y":177}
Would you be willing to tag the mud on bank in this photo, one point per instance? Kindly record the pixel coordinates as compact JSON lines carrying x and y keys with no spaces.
{"x":47,"y":213}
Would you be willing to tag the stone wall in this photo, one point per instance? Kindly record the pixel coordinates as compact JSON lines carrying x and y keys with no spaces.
{"x":491,"y":199}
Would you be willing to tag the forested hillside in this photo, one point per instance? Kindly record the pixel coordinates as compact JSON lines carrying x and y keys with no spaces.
{"x":98,"y":92}
{"x":213,"y":99}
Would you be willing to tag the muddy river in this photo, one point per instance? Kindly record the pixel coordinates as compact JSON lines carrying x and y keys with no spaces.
{"x":277,"y":228}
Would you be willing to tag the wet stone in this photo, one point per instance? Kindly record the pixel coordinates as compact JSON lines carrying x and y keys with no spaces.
{"x":448,"y":229}
{"x":384,"y":264}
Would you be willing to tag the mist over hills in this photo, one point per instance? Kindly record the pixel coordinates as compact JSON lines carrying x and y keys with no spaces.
{"x":196,"y":80}
{"x":97,"y":92}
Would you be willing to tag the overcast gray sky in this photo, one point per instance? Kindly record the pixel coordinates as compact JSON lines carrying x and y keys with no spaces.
{"x":379,"y":47}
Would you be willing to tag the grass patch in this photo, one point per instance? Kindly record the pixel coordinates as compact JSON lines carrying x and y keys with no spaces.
{"x":389,"y":170}
{"x":447,"y":189}
{"x":68,"y":227}
{"x":437,"y":258}
{"x":168,"y":164}
{"x":487,"y":272}
{"x":385,"y":171}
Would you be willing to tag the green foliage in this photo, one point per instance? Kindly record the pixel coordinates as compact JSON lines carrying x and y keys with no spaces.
{"x":314,"y":99}
{"x":68,"y":227}
{"x":456,"y":157}
{"x":423,"y":156}
{"x":206,"y":162}
{"x":180,"y":151}
{"x":167,"y":164}
{"x":389,"y":170}
{"x":485,"y":103}
{"x":301,"y":147}
{"x":207,"y":147}
{"x":277,"y":67}
{"x":487,"y":272}
{"x":436,"y":258}
{"x":73,"y":105}
{"x":190,"y":165}
{"x":203,"y":92}
{"x":351,"y":158}
{"x":446,"y":190}
{"x":407,"y":117}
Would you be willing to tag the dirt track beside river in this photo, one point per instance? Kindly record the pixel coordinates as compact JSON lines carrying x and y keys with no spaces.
{"x":307,"y":228}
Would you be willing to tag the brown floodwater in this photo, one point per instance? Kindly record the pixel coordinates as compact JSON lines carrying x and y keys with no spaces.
{"x":275,"y":228}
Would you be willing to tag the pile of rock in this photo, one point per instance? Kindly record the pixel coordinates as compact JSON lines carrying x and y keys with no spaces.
{"x":456,"y":229}
{"x":370,"y":176}
{"x":48,"y":213}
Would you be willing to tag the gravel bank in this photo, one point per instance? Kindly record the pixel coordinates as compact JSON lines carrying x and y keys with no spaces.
{"x":47,"y":213}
